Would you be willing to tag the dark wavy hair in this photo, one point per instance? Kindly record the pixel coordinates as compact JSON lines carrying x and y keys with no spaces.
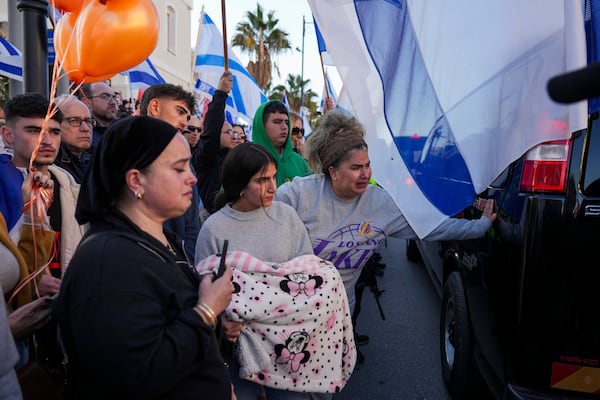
{"x":168,"y":91}
{"x":28,"y":105}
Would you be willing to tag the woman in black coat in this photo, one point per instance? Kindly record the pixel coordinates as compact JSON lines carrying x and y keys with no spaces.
{"x":136,"y":321}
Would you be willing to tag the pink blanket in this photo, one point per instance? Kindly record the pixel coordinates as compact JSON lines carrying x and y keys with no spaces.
{"x":297,"y":332}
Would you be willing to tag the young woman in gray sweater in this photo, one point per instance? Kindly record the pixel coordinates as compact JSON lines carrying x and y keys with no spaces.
{"x":271,"y":231}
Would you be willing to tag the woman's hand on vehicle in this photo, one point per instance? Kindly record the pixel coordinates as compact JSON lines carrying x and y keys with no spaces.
{"x":488,"y":210}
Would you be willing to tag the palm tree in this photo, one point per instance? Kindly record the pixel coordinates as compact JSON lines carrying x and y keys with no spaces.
{"x":261,"y":39}
{"x":3,"y":90}
{"x":293,"y":89}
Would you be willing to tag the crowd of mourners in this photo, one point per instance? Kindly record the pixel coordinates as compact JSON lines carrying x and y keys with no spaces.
{"x":150,"y":252}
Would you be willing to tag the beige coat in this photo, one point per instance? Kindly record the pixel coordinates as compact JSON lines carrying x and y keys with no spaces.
{"x":71,"y":232}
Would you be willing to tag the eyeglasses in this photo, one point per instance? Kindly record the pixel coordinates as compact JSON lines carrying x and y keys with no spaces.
{"x":76,"y":122}
{"x":106,"y":97}
{"x":232,"y":133}
{"x":243,"y":137}
{"x":298,"y":131}
{"x":192,"y":128}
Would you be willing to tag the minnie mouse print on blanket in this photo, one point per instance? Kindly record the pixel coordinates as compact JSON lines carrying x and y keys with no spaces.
{"x":297,"y":329}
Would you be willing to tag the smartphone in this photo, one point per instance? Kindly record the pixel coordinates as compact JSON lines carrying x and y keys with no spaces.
{"x":222,"y":265}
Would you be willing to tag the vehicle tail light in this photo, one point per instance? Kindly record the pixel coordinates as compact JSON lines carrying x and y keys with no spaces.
{"x":545,"y":168}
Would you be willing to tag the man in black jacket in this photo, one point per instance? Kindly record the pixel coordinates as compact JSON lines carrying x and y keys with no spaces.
{"x":102,"y":102}
{"x":174,"y":105}
{"x":76,"y":136}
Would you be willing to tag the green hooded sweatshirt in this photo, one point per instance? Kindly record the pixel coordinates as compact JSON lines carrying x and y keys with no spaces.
{"x":289,"y":164}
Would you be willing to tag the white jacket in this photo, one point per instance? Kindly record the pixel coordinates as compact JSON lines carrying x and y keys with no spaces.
{"x":71,"y":232}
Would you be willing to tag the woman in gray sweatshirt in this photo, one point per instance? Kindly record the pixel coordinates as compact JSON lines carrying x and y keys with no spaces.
{"x":346,"y":215}
{"x":316,"y":325}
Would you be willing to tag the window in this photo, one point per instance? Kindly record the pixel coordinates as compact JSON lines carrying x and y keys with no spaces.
{"x":171,"y":30}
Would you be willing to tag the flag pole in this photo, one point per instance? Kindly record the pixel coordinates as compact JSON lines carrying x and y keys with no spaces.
{"x":324,"y":75}
{"x":198,"y":35}
{"x":322,"y":48}
{"x":223,"y":17}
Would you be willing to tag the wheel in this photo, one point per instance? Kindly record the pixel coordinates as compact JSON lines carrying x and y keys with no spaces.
{"x":412,"y":251}
{"x":455,"y":338}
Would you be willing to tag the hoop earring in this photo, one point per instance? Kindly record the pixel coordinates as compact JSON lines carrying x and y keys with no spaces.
{"x":241,"y":194}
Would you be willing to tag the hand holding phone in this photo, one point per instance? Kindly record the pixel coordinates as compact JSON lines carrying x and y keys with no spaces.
{"x":222,"y":264}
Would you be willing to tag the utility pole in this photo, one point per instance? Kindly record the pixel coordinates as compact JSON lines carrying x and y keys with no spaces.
{"x":15,"y":33}
{"x":35,"y":45}
{"x":302,"y":68}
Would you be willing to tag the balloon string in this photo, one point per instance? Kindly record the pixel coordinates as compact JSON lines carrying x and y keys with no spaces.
{"x":32,"y":277}
{"x":40,"y":197}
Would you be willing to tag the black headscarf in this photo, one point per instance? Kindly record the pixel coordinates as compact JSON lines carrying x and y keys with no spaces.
{"x":128,"y":143}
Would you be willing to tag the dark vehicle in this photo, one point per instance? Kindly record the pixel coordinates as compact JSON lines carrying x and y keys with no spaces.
{"x":521,"y":306}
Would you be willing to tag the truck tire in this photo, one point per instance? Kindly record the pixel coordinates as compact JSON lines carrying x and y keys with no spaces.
{"x":455,"y":338}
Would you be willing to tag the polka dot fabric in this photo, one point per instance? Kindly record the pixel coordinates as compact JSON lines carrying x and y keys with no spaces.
{"x":297,"y":331}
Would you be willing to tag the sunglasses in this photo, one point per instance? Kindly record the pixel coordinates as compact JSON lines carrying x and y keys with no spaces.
{"x":298,"y":131}
{"x":192,"y":128}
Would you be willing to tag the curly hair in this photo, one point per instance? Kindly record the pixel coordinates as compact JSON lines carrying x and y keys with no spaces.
{"x":329,"y":144}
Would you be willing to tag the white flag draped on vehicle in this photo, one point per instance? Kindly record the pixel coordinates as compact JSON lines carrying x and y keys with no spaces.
{"x":11,"y":60}
{"x":451,"y":92}
{"x":143,"y":76}
{"x":246,"y":95}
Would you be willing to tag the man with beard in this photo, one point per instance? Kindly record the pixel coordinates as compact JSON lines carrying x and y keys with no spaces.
{"x":102,"y":102}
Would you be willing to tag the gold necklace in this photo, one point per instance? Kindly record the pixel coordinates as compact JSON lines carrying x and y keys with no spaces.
{"x":170,"y":248}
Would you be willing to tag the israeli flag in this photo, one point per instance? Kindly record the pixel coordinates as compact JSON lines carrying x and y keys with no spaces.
{"x":447,"y":95}
{"x":285,"y":101}
{"x":325,"y":57}
{"x":11,"y":60}
{"x":305,"y":122}
{"x":245,"y":96}
{"x":143,"y":76}
{"x":327,"y":88}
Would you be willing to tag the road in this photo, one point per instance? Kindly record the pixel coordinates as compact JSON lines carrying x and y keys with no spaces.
{"x":402,"y":359}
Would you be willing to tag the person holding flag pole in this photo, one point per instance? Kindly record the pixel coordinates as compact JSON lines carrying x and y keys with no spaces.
{"x":246,"y":389}
{"x":212,"y":56}
{"x":328,"y":102}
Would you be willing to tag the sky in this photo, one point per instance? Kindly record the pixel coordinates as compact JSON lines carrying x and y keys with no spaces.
{"x":290,"y":15}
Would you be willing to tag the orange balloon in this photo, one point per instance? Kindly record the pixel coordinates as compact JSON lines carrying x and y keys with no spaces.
{"x":80,"y":77}
{"x":65,"y":43}
{"x":115,"y":36}
{"x":67,"y":5}
{"x":67,"y":53}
